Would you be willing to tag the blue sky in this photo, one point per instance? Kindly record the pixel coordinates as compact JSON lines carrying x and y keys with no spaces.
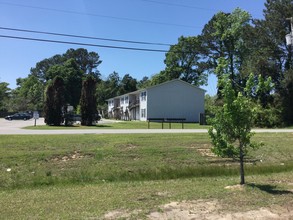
{"x":159,"y":21}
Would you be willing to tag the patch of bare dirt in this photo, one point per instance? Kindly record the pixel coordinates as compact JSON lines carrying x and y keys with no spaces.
{"x":185,"y":210}
{"x":235,"y":187}
{"x":120,"y":214}
{"x":204,"y":209}
{"x":76,"y":155}
{"x":200,"y":209}
{"x":206,"y":152}
{"x":126,"y":147}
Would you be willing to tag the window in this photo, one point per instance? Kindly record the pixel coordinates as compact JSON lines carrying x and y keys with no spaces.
{"x":143,"y":96}
{"x":143,"y":113}
{"x":126,"y":99}
{"x":122,"y":101}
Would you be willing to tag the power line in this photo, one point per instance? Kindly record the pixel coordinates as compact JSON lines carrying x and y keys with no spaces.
{"x":178,"y":5}
{"x":99,"y":15}
{"x":186,"y":6}
{"x":81,"y":36}
{"x":83,"y":44}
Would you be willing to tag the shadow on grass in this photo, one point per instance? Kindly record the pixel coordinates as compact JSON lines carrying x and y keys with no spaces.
{"x":84,"y":126}
{"x":89,"y":126}
{"x":103,"y":126}
{"x":270,"y":189}
{"x":62,"y":127}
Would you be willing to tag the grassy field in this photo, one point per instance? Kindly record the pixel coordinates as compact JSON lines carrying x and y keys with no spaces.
{"x":124,"y":125}
{"x":85,"y":176}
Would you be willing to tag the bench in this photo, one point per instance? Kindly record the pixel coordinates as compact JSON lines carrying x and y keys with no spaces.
{"x":168,"y":120}
{"x":177,"y":120}
{"x":156,"y":120}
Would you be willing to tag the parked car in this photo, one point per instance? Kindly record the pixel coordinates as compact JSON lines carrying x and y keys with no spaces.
{"x":19,"y":116}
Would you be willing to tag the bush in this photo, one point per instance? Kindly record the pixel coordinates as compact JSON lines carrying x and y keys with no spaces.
{"x":267,"y":117}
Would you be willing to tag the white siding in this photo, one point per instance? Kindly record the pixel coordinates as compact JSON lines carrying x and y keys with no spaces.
{"x":175,"y":99}
{"x":143,"y":105}
{"x":110,"y":104}
{"x":124,"y":102}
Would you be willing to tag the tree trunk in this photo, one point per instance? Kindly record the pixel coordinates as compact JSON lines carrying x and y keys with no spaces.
{"x":242,"y":180}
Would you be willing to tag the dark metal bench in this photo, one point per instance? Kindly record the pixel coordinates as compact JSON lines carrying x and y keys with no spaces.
{"x":178,"y":120}
{"x":156,"y":120}
{"x":168,"y":120}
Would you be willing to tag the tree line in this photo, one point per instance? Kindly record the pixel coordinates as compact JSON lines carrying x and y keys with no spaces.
{"x":233,"y":44}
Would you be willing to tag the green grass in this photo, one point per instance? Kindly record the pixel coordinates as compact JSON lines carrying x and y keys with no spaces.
{"x":124,"y":125}
{"x":92,"y":201}
{"x":70,"y":159}
{"x":85,"y":176}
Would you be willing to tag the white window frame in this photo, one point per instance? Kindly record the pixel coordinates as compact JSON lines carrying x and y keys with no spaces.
{"x":143,"y":96}
{"x":126,"y":100}
{"x":143,"y":113}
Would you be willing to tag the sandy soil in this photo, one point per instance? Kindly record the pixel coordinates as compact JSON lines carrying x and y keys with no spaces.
{"x":204,"y":209}
{"x":210,"y":210}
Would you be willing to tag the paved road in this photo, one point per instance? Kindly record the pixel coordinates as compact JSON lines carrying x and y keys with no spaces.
{"x":16,"y":127}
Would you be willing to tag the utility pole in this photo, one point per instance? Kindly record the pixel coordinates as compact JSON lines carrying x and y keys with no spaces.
{"x":289,"y":37}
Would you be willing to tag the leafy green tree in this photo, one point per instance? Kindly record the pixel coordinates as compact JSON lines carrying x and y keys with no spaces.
{"x":108,"y":88}
{"x":113,"y":83}
{"x":143,"y":83}
{"x":272,"y":56}
{"x":259,"y":60}
{"x":88,"y":101}
{"x":87,"y":62}
{"x":4,"y":96}
{"x":276,"y":26}
{"x":158,"y":78}
{"x":258,"y":90}
{"x":55,"y":102}
{"x":230,"y":129}
{"x":72,"y":77}
{"x":223,"y":37}
{"x":29,"y":93}
{"x":41,"y":68}
{"x":210,"y":104}
{"x":184,"y":61}
{"x":128,"y":84}
{"x":102,"y":95}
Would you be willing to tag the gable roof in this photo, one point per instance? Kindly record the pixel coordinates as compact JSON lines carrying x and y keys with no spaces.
{"x":174,"y":80}
{"x":158,"y":85}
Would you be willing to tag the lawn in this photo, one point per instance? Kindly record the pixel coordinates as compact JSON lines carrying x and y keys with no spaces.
{"x":124,"y":125}
{"x":86,"y":176}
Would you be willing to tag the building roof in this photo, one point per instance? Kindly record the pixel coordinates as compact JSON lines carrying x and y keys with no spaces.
{"x":170,"y":81}
{"x":167,"y":82}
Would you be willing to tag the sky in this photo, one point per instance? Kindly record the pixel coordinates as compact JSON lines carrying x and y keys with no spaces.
{"x":151,"y":21}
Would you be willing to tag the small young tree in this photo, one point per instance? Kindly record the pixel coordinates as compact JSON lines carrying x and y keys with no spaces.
{"x":230,"y":129}
{"x":88,"y":101}
{"x":54,"y":102}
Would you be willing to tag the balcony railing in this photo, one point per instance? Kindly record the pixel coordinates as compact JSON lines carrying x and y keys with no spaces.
{"x":133,"y":104}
